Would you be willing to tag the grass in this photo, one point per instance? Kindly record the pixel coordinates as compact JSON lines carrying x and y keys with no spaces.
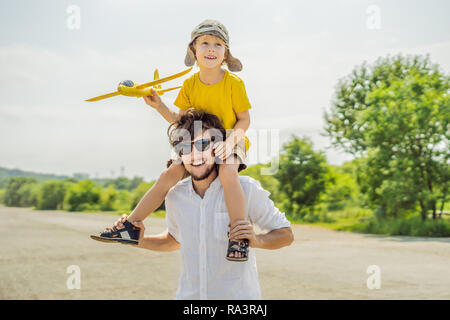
{"x":361,"y":220}
{"x":342,"y":220}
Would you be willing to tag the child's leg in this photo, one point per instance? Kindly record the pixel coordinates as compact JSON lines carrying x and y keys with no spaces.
{"x":157,"y":193}
{"x":233,"y":192}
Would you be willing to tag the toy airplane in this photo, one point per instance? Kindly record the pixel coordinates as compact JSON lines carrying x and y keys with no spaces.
{"x":132,"y":89}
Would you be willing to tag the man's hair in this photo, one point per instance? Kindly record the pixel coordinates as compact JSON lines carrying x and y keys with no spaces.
{"x":186,"y":121}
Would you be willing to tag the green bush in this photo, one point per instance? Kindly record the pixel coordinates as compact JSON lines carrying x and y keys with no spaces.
{"x":123,"y":183}
{"x":123,"y":201}
{"x":51,"y":195}
{"x":318,"y":216}
{"x":2,"y":194}
{"x":21,"y":192}
{"x":406,"y":226}
{"x":83,"y":196}
{"x":108,"y":197}
{"x":139,"y":192}
{"x":303,"y":176}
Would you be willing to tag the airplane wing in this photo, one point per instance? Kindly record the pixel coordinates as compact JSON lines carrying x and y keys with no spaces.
{"x":165,"y":90}
{"x":108,"y":95}
{"x":162,"y":80}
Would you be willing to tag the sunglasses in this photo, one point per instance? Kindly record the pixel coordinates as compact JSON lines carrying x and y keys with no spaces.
{"x":186,"y":147}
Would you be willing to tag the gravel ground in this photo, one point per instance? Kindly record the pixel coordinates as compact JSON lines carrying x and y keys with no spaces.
{"x":38,"y":247}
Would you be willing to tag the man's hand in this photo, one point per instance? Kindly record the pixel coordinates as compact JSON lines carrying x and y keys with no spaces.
{"x":140,"y":225}
{"x":154,"y":100}
{"x":242,"y":229}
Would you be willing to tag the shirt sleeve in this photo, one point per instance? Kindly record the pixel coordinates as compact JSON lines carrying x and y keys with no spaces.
{"x":239,"y":97}
{"x":182,"y":101}
{"x":262,"y":211}
{"x":172,"y":226}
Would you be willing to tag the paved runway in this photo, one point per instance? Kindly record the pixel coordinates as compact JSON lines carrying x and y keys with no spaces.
{"x":37,"y":247}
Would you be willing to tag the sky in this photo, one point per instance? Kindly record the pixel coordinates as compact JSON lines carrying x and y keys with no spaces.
{"x":55,"y":54}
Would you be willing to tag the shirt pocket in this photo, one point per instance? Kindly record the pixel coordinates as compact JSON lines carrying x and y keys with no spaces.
{"x":221,"y":221}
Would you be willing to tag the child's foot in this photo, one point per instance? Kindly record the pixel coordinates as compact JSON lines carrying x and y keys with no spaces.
{"x":237,"y":250}
{"x":129,"y":234}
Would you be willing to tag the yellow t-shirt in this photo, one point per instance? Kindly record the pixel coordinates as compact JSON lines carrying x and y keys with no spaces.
{"x":223,"y":99}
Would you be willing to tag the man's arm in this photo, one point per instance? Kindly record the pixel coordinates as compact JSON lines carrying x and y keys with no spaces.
{"x":263,"y":213}
{"x":274,"y":239}
{"x":160,"y":242}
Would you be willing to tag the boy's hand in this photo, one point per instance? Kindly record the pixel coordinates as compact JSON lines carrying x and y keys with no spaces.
{"x":119,"y":223}
{"x":154,"y":100}
{"x":223,"y":149}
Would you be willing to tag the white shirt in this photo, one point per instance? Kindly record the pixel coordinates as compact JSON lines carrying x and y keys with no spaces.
{"x":201,"y":226}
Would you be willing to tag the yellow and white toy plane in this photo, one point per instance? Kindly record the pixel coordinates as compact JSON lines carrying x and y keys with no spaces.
{"x":133,"y":89}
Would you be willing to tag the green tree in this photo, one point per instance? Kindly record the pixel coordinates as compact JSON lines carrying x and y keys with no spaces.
{"x":108,"y":197}
{"x":268,"y":182}
{"x":123,"y":201}
{"x":302,"y":176}
{"x":83,"y":196}
{"x":341,"y":189}
{"x":395,"y":114}
{"x":21,"y":192}
{"x":51,"y":195}
{"x":139,"y":192}
{"x":123,"y":183}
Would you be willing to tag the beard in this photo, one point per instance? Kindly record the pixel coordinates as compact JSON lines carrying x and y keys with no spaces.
{"x":204,"y":175}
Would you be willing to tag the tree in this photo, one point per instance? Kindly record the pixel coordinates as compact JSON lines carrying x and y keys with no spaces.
{"x":108,"y":196}
{"x":268,"y":182}
{"x":395,"y":114}
{"x":341,"y":188}
{"x":139,"y":193}
{"x":82,"y":196}
{"x":51,"y":195}
{"x":21,"y":192}
{"x":123,"y":183}
{"x":302,"y":176}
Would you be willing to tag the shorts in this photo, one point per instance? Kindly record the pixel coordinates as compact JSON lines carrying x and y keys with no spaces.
{"x":239,"y":151}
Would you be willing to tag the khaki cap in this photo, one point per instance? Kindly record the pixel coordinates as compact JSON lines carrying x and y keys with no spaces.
{"x":215,"y":28}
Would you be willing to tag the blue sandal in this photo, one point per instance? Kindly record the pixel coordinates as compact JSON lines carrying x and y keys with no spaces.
{"x":127,"y":235}
{"x":242,"y":248}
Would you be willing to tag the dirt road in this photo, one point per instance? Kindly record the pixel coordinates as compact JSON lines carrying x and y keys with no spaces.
{"x":37,"y":247}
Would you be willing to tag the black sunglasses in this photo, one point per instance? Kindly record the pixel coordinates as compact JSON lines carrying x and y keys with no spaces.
{"x":186,"y":147}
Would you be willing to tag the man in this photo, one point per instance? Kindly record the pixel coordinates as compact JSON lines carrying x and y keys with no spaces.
{"x":198,"y":221}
